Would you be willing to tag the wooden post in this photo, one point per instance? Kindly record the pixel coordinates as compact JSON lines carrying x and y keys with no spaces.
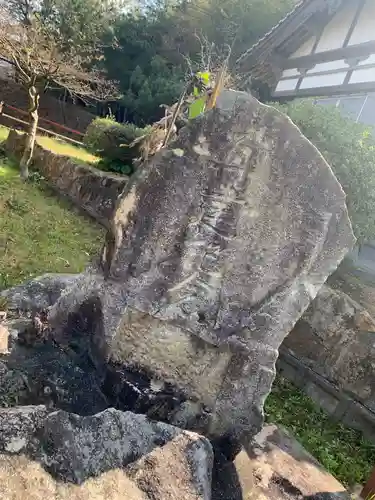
{"x":369,"y":489}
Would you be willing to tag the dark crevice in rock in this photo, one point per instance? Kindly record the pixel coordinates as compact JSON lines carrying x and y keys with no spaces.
{"x":228,"y":446}
{"x":225,"y":480}
{"x":67,"y":379}
{"x":53,"y":377}
{"x":286,"y":486}
{"x":132,"y":390}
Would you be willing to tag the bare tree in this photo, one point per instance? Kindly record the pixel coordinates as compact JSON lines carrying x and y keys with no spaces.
{"x":39,"y":63}
{"x":21,"y":9}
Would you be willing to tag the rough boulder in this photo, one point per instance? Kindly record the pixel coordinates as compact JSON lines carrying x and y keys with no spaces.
{"x":64,"y":456}
{"x":216,"y":248}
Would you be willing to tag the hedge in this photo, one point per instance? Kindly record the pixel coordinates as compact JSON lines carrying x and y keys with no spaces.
{"x":349,"y":148}
{"x":109,"y":139}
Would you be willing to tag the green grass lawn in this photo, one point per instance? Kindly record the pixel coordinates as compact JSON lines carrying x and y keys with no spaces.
{"x":4,"y":131}
{"x":342,"y":451}
{"x":40,"y":233}
{"x":67,"y":149}
{"x":59,"y":146}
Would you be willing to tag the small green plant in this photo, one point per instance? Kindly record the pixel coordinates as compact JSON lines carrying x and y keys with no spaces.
{"x":36,"y":178}
{"x":18,"y":206}
{"x":116,"y":166}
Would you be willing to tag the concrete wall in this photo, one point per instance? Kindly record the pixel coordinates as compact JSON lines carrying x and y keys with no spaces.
{"x":92,"y":190}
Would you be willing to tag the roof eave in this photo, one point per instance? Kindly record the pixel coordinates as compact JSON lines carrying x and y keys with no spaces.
{"x":300,"y":15}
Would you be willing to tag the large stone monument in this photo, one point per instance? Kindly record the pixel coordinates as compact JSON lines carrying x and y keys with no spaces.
{"x":217,"y":246}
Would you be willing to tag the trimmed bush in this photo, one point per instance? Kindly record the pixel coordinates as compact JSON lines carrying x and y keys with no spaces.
{"x":108,"y":138}
{"x":349,"y":148}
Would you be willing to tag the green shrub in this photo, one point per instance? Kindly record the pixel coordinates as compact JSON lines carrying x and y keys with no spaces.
{"x":108,"y":139}
{"x":115,"y":166}
{"x":349,"y":148}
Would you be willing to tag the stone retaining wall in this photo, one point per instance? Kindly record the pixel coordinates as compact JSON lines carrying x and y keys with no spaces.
{"x":335,"y":402}
{"x":90,"y":189}
{"x":330,"y":355}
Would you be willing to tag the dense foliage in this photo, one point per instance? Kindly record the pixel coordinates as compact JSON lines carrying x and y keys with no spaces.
{"x":110,"y":140}
{"x":350,"y":150}
{"x":237,"y":23}
{"x":146,"y":78}
{"x":154,"y":44}
{"x":149,"y":47}
{"x":79,"y":24}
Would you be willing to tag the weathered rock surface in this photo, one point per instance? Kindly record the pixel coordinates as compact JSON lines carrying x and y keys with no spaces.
{"x":336,"y":338}
{"x":216,"y":248}
{"x":275,"y":467}
{"x":180,"y":469}
{"x":93,"y":451}
{"x":46,"y":374}
{"x":284,"y":469}
{"x":38,"y":293}
{"x":18,"y":426}
{"x":62,"y":456}
{"x":92,"y":190}
{"x":22,"y":478}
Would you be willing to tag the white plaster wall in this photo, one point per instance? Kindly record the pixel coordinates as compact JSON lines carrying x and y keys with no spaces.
{"x":305,"y":49}
{"x":365,"y":29}
{"x":289,"y":73}
{"x":363,"y":75}
{"x":286,"y":85}
{"x":310,"y":82}
{"x":333,"y":37}
{"x":369,"y":60}
{"x":328,"y":66}
{"x":334,"y":33}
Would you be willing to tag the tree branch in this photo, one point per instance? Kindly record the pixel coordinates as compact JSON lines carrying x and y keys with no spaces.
{"x":36,"y":55}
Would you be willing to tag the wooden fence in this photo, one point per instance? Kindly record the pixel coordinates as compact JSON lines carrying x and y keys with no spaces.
{"x":8,"y":120}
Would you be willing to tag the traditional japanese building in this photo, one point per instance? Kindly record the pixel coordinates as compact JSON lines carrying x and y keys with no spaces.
{"x":323,"y":49}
